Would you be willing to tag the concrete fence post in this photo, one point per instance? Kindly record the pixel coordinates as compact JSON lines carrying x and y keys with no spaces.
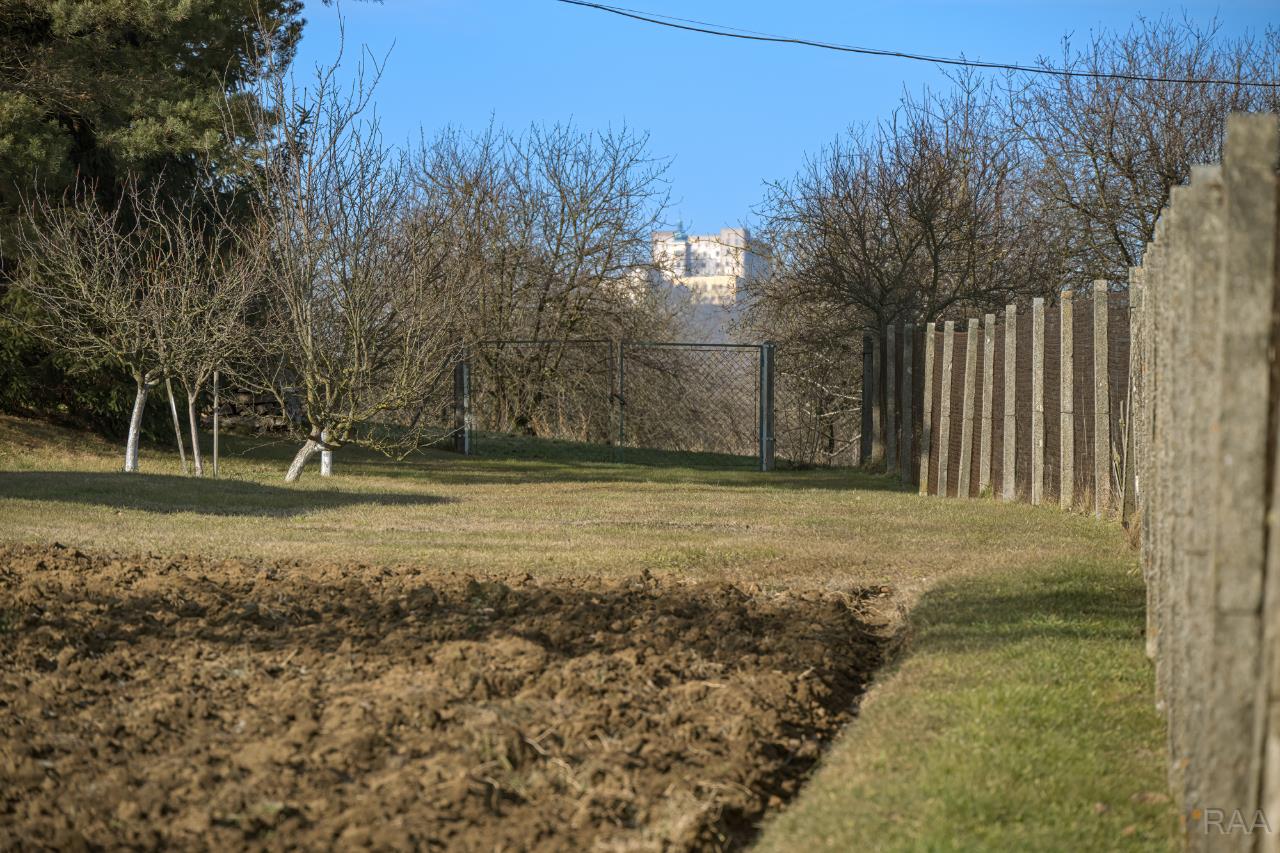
{"x":1258,"y":259}
{"x":1102,"y":399}
{"x":988,"y":395}
{"x":1010,"y":402}
{"x":1203,"y":268}
{"x":1037,"y":401}
{"x":906,"y":396}
{"x":891,"y":405}
{"x":1140,"y":384}
{"x":877,"y":399}
{"x":866,"y":440}
{"x":963,"y":485}
{"x":1243,"y":729}
{"x":926,"y":412}
{"x":1066,"y":402}
{"x":1181,"y":226}
{"x":944,"y":405}
{"x":1159,"y":282}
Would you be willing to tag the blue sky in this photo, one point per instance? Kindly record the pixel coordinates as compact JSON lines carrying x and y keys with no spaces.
{"x":731,"y":114}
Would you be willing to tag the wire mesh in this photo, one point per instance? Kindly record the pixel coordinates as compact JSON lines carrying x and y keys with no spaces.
{"x":691,"y":397}
{"x":817,"y":411}
{"x":656,"y":395}
{"x":550,"y":389}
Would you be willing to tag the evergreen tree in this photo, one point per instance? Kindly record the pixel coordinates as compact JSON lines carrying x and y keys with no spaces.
{"x":96,"y":91}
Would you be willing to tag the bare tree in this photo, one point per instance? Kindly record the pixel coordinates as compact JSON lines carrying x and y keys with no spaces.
{"x":1110,"y":149}
{"x":927,"y":214}
{"x":917,"y":216}
{"x":213,"y":269}
{"x":156,"y":287}
{"x":357,"y":333}
{"x":88,"y":272}
{"x":558,"y":226}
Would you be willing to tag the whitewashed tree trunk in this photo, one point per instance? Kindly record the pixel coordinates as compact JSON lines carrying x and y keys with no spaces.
{"x":300,"y":460}
{"x":177,"y":424}
{"x":135,"y":426}
{"x":194,"y":423}
{"x":326,"y":456}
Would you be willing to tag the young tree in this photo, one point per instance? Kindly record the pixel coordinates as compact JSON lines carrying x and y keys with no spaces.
{"x":88,"y":273}
{"x":358,"y":331}
{"x":155,"y":288}
{"x":213,"y":268}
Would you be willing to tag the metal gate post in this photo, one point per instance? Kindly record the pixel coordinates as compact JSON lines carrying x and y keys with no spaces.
{"x":611,"y":402}
{"x":766,"y":406}
{"x":462,"y":404}
{"x":622,"y":395}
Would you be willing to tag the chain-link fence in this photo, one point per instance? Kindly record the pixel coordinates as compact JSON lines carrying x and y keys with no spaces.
{"x":702,"y":398}
{"x":705,"y":398}
{"x":552,"y":389}
{"x":817,"y":410}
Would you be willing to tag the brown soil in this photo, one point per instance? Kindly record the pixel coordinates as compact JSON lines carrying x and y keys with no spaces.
{"x":154,"y":702}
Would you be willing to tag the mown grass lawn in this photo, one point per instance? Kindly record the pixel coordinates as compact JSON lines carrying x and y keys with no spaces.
{"x":1017,"y":714}
{"x":1018,"y":718}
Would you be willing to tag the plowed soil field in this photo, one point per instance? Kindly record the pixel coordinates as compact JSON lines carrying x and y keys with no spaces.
{"x":155,"y":702}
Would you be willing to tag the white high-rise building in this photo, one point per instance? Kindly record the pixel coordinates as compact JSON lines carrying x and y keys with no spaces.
{"x":712,"y":266}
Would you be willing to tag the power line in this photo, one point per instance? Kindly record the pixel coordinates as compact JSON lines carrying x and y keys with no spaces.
{"x":725,"y":31}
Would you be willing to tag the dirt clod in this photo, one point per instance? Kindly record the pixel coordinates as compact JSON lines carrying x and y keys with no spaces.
{"x":172,"y":702}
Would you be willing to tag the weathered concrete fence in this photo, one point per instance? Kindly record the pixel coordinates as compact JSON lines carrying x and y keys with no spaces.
{"x":1166,"y":412}
{"x":1025,"y":405}
{"x":1206,"y":378}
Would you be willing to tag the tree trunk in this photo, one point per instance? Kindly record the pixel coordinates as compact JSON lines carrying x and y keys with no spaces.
{"x":304,"y":453}
{"x":177,"y":424}
{"x":135,"y":426}
{"x":194,"y":422}
{"x":216,"y":418}
{"x":880,"y":425}
{"x":326,"y":456}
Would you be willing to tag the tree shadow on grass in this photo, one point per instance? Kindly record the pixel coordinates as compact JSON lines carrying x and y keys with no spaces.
{"x":164,"y":493}
{"x":501,"y":459}
{"x":1066,"y":602}
{"x":491,"y":470}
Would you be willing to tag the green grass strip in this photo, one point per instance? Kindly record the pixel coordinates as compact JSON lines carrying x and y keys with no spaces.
{"x":1019,"y":717}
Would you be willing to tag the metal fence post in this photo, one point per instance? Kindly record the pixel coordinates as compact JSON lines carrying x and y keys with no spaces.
{"x":611,"y":401}
{"x":766,"y":406}
{"x":462,"y":404}
{"x":622,"y":395}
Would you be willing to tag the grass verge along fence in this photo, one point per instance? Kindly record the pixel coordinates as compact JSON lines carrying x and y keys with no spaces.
{"x":1160,"y":404}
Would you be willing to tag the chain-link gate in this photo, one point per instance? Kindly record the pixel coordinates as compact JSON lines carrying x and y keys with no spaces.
{"x":552,"y":389}
{"x":710,"y":398}
{"x":705,"y":398}
{"x":818,"y":408}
